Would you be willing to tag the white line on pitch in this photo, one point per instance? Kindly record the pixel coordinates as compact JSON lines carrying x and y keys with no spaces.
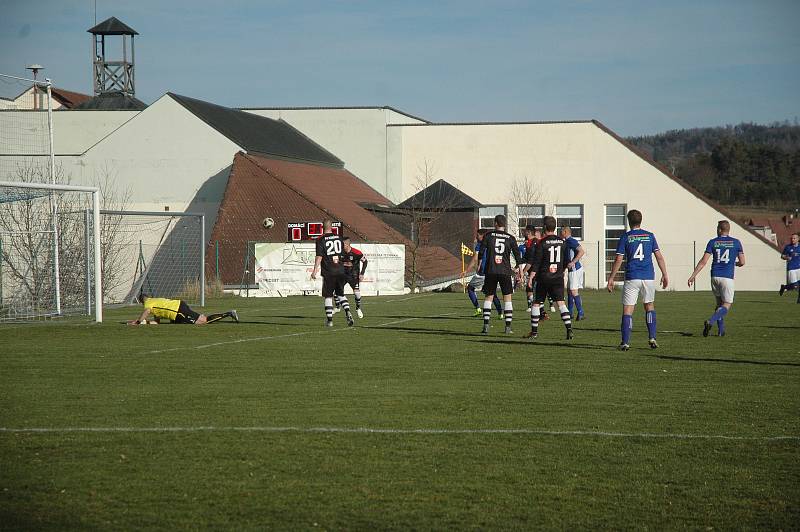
{"x":367,"y":430}
{"x":259,"y":338}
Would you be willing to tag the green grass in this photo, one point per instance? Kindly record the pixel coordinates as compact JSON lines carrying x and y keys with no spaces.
{"x":412,"y":363}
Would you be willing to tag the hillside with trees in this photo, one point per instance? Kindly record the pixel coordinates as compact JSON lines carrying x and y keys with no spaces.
{"x":743,"y":165}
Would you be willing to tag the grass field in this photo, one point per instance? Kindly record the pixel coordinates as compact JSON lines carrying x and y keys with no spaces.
{"x":411,"y":419}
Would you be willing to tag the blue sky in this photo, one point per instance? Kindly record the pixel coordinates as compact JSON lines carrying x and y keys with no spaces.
{"x":638,"y":66}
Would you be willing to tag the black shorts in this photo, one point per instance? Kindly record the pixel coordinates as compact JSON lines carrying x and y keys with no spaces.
{"x":491,"y":281}
{"x":352,"y":280}
{"x":552,"y":289}
{"x":185,"y":314}
{"x":333,"y":284}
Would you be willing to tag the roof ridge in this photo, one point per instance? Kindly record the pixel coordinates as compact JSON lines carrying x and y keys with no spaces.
{"x":508,"y":123}
{"x":699,"y":195}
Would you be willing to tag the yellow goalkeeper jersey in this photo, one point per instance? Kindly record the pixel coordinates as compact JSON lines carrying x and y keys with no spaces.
{"x":163,"y":308}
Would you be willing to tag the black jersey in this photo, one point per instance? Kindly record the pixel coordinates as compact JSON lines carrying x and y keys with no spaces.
{"x":330,"y":247}
{"x":495,"y":253}
{"x":354,"y":262}
{"x":550,"y":259}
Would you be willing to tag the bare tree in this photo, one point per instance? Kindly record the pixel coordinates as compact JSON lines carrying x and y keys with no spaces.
{"x":27,"y":234}
{"x":526,"y":192}
{"x":113,"y":239}
{"x":426,"y":207}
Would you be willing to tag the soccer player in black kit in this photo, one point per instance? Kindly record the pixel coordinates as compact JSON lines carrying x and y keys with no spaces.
{"x":547,"y":269}
{"x":497,"y":247}
{"x":355,"y":264}
{"x":330,"y":249}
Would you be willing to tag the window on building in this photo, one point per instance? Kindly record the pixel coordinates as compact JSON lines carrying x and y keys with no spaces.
{"x":571,"y":215}
{"x":615,"y":227}
{"x":487,"y":215}
{"x":528,"y":215}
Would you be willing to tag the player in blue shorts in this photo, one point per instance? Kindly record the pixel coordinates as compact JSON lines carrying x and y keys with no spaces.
{"x":791,"y":254}
{"x":725,"y":253}
{"x":476,"y":283}
{"x":638,"y":247}
{"x":574,"y":272}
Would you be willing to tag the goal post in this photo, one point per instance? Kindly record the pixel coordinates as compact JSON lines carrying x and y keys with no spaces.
{"x":38,"y":234}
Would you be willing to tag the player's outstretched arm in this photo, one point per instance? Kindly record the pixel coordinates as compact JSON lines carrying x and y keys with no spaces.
{"x":142,"y":318}
{"x":662,"y":265}
{"x":697,"y":269}
{"x":614,"y":269}
{"x":317,"y":262}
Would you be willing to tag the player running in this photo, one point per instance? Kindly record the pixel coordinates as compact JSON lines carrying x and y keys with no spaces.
{"x":176,"y":311}
{"x":574,"y":272}
{"x":496,"y":248}
{"x":791,"y":254}
{"x":549,"y":265}
{"x":354,"y":274}
{"x":476,"y":283}
{"x":330,"y":248}
{"x":726,"y":253}
{"x":638,"y":246}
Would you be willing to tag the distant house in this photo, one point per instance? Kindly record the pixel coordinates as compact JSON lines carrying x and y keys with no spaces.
{"x":36,"y":98}
{"x":776,"y":230}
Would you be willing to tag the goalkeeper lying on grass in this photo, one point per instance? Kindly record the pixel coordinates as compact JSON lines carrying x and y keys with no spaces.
{"x":176,"y":311}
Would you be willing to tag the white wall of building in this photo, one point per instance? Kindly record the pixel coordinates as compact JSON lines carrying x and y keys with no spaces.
{"x":576,"y":163}
{"x":74,"y":132}
{"x":357,"y":136}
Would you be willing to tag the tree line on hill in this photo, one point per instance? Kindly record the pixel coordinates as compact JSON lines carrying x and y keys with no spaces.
{"x":747,"y":164}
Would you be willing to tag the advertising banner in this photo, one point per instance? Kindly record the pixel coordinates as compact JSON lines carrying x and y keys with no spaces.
{"x":284,"y":269}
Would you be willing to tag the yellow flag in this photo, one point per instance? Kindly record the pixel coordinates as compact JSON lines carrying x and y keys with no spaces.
{"x":466,"y":250}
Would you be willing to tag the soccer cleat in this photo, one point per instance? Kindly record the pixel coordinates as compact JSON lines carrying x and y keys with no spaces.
{"x":552,"y":308}
{"x":500,"y":317}
{"x":329,"y":323}
{"x":360,"y":314}
{"x":782,"y":290}
{"x":337,"y":310}
{"x":544,"y":316}
{"x":570,"y":334}
{"x":478,"y":312}
{"x":508,"y":330}
{"x":706,"y":328}
{"x":350,"y":321}
{"x":580,"y":317}
{"x":532,"y":335}
{"x":653,"y":343}
{"x":485,"y":329}
{"x":624,"y":347}
{"x":722,"y":333}
{"x":235,"y":316}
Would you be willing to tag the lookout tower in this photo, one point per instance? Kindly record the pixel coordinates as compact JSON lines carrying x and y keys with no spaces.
{"x":113,"y":76}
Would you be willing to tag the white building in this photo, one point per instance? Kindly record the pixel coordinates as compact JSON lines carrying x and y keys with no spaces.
{"x":174,"y":156}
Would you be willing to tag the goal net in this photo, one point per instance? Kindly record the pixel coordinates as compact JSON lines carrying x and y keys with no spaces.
{"x":26,"y":152}
{"x":49,"y":251}
{"x":159,"y":254}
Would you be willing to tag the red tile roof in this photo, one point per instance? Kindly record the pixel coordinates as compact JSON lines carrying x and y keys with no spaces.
{"x":69,"y":99}
{"x":782,"y":228}
{"x":286,"y":191}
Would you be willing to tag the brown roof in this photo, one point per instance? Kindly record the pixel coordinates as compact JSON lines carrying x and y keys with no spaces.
{"x":286,"y":191}
{"x":782,"y":228}
{"x":69,"y":99}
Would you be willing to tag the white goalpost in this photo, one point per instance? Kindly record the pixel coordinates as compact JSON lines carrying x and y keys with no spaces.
{"x":50,"y":251}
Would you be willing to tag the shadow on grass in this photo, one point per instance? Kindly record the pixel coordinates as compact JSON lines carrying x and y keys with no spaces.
{"x":523,"y":341}
{"x":726,"y":360}
{"x":420,"y":330}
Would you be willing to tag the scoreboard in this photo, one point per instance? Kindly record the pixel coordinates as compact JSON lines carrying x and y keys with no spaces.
{"x":304,"y":231}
